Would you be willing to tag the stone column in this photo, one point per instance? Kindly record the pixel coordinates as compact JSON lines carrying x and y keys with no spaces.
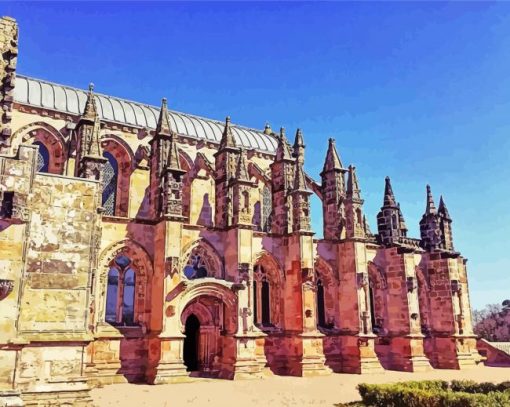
{"x":250,"y":359}
{"x":166,"y":342}
{"x":404,"y":327}
{"x":357,"y":342}
{"x":453,"y":343}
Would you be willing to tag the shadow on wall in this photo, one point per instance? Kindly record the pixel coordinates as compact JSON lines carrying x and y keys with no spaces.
{"x":133,"y":355}
{"x":205,"y":217}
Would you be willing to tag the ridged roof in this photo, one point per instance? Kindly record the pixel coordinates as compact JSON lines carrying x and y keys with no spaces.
{"x":43,"y":94}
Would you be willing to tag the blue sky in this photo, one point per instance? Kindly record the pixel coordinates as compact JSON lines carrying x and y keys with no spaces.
{"x":416,"y":91}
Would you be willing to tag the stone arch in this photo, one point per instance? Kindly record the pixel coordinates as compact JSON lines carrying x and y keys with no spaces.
{"x":141,"y":263}
{"x":211,"y":289}
{"x":378,"y":287}
{"x":215,"y":306}
{"x":208,"y":254}
{"x":125,"y":159}
{"x":266,"y":258}
{"x":325,"y":275}
{"x":267,"y":270}
{"x":50,"y":137}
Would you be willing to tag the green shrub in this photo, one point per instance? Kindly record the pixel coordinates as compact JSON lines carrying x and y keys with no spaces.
{"x":436,"y":393}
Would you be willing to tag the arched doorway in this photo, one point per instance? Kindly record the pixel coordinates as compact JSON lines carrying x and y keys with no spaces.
{"x":209,"y":323}
{"x":191,"y":343}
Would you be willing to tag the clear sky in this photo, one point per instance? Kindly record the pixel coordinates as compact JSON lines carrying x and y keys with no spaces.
{"x":416,"y":91}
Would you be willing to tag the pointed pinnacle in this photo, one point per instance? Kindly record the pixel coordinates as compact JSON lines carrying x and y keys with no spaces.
{"x":267,"y":129}
{"x":442,"y":210}
{"x":389,"y":197}
{"x":90,"y":111}
{"x":282,"y":150}
{"x":227,"y":139}
{"x":352,"y":183}
{"x":431,"y":208}
{"x":299,"y":178}
{"x":173,"y":161}
{"x":332,"y":161}
{"x":298,"y":141}
{"x":402,"y":221}
{"x":242,"y":168}
{"x":163,"y":125}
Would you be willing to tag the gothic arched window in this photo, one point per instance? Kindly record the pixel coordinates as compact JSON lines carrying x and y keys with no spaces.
{"x":265,"y":299}
{"x":120,"y":292}
{"x":321,"y":306}
{"x":266,"y":302}
{"x":43,"y":157}
{"x":266,"y":209}
{"x":110,"y":177}
{"x":373,"y":320}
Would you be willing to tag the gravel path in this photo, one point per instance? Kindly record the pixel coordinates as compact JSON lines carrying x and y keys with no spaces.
{"x":272,"y":391}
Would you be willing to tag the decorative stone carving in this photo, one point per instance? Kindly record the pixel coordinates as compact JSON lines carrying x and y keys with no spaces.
{"x":362,"y":280}
{"x":172,"y":266}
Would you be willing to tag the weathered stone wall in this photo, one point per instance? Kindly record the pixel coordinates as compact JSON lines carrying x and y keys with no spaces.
{"x":60,"y":257}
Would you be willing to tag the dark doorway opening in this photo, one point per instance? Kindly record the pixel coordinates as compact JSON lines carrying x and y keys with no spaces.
{"x":192,"y":331}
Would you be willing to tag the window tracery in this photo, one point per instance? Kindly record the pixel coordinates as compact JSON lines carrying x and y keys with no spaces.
{"x":43,"y":157}
{"x":120,"y":292}
{"x":266,"y":209}
{"x":265,"y":297}
{"x":110,"y":176}
{"x":196,"y":267}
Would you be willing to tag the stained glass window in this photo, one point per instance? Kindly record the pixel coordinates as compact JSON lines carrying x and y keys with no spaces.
{"x":120,"y":292}
{"x":43,"y":157}
{"x":266,"y":209}
{"x":111,"y":295}
{"x":195,"y":268}
{"x":128,"y":301}
{"x":110,"y":176}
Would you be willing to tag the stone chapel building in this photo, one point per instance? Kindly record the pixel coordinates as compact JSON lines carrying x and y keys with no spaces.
{"x":141,"y":244}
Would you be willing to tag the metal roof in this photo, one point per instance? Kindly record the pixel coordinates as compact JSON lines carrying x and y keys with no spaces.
{"x":43,"y":94}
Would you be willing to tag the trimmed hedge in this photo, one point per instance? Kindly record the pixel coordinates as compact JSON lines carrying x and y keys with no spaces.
{"x":436,"y":393}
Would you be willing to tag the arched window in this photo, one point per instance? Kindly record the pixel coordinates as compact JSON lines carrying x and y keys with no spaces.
{"x":128,"y":300}
{"x":255,"y":301}
{"x":266,"y":303}
{"x":110,"y":177}
{"x":196,"y":267}
{"x":266,"y":209}
{"x":375,"y":328}
{"x":321,"y":307}
{"x":112,"y":294}
{"x":120,"y":293}
{"x":265,"y":299}
{"x":43,"y":157}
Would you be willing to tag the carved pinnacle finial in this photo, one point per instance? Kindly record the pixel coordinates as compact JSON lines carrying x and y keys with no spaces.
{"x":353,"y":190}
{"x":332,"y":161}
{"x":442,"y":210}
{"x":227,"y":139}
{"x":282,"y":150}
{"x":389,"y":197}
{"x":431,"y":208}
{"x":90,"y":111}
{"x":163,"y":126}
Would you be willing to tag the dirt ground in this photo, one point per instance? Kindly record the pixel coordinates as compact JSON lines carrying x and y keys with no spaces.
{"x":272,"y":391}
